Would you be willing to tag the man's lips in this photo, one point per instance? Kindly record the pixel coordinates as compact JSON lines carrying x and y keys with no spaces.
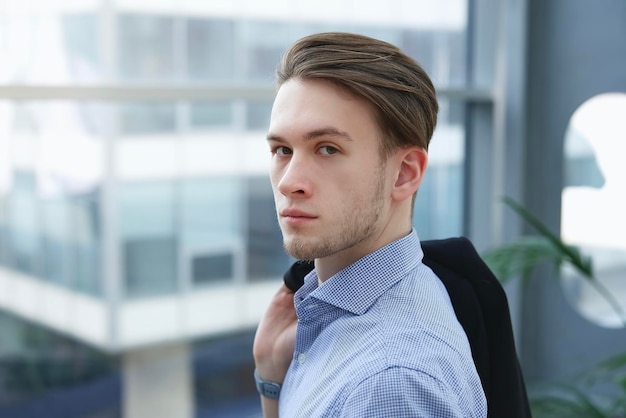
{"x":296,"y":217}
{"x":295,"y":213}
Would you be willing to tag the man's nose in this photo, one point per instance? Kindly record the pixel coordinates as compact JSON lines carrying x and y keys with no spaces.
{"x":296,"y":177}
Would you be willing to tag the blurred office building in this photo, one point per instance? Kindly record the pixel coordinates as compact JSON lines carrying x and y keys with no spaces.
{"x":138,"y":237}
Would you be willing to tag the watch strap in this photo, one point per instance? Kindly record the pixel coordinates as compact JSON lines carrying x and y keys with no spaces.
{"x":266,"y":388}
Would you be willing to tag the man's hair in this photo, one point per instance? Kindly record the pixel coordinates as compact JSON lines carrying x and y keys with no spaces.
{"x":393,"y":83}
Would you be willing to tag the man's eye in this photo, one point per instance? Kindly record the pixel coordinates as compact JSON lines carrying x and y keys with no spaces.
{"x":328,"y":150}
{"x":281,"y":151}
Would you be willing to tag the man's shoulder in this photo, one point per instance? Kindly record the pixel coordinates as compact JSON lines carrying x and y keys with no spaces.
{"x":418,"y":323}
{"x":420,"y":299}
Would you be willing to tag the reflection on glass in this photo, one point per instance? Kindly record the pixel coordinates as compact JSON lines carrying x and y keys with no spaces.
{"x":51,"y":48}
{"x":23,"y":224}
{"x":43,"y":370}
{"x":148,"y":235}
{"x":211,"y":49}
{"x":438,"y":211}
{"x":5,"y":257}
{"x":211,"y":114}
{"x":258,"y":115}
{"x":82,"y":42}
{"x":421,"y":46}
{"x":50,"y":194}
{"x":221,"y":385}
{"x":263,"y":44}
{"x":210,"y":229}
{"x":266,"y":257}
{"x":593,"y":212}
{"x":146,"y":47}
{"x":69,"y":238}
{"x":67,"y":47}
{"x":147,"y":118}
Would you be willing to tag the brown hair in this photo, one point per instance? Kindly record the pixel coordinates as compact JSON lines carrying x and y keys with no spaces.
{"x":397,"y":86}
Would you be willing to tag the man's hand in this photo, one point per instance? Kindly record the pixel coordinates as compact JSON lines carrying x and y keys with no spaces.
{"x":274,"y":343}
{"x":275,"y":337}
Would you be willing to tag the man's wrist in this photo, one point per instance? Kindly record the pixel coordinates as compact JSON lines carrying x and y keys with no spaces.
{"x":267,"y":388}
{"x":271,"y":369}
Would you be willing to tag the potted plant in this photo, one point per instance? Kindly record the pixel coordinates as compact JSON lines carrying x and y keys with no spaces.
{"x":581,"y":398}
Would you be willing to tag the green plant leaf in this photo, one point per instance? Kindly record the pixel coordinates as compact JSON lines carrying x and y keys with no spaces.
{"x":568,"y":252}
{"x":566,"y":401}
{"x":519,"y":258}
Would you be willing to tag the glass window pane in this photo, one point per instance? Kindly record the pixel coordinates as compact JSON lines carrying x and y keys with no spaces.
{"x":5,"y":242}
{"x":220,"y":386}
{"x":593,"y":207}
{"x":455,"y":59}
{"x":43,"y":370}
{"x":210,"y":210}
{"x":146,"y":118}
{"x":266,"y":257}
{"x":149,"y":242}
{"x":23,"y":221}
{"x":52,"y":48}
{"x":420,"y":44}
{"x":438,"y":209}
{"x":146,"y":47}
{"x":263,"y":43}
{"x":51,"y":196}
{"x":210,"y":229}
{"x":81,"y":39}
{"x":56,"y":219}
{"x":258,"y":115}
{"x":211,"y":115}
{"x":211,"y":49}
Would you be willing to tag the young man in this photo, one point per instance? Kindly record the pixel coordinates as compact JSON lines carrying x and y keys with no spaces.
{"x":372,"y":332}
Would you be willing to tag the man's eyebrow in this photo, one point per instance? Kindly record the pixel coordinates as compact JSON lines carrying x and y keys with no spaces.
{"x":272,"y":137}
{"x":327,"y":132}
{"x":317,"y":133}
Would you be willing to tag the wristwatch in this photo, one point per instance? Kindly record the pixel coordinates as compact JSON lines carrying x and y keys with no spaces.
{"x":268,"y":389}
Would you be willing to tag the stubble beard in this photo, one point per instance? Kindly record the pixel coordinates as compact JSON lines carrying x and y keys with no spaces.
{"x":352,"y":228}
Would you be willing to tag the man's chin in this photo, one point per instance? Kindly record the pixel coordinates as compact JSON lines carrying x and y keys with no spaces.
{"x":302,"y":248}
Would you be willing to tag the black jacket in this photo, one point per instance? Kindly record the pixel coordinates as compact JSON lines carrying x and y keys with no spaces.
{"x":482,"y":309}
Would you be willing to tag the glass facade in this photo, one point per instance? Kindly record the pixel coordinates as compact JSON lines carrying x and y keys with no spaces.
{"x":194,"y":225}
{"x":45,"y":374}
{"x":52,"y":171}
{"x":178,"y":189}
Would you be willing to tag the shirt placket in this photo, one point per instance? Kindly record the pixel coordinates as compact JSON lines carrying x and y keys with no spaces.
{"x":310,"y":325}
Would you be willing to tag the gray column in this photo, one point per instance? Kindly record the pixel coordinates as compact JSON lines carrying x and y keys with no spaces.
{"x":158,"y":382}
{"x":576,"y":50}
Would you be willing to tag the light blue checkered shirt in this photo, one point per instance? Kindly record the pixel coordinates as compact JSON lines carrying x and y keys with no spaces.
{"x":380,"y":339}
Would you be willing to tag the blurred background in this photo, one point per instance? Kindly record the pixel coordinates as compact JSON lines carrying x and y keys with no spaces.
{"x":138,"y":238}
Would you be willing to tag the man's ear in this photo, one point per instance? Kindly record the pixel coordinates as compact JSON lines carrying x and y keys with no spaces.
{"x":412,"y":165}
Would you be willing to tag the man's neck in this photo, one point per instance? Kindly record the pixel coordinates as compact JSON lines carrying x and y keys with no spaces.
{"x":327,"y":267}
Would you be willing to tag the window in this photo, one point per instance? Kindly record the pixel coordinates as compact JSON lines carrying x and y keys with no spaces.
{"x":146,"y":47}
{"x":592,"y":212}
{"x":179,"y":188}
{"x":211,"y":50}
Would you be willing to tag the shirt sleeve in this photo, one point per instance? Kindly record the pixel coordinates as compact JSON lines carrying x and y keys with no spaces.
{"x":401,"y":392}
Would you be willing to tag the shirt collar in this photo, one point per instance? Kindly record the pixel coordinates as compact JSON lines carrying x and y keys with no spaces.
{"x":359,"y":285}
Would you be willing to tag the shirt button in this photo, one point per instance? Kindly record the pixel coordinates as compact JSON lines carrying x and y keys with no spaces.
{"x":301,"y":358}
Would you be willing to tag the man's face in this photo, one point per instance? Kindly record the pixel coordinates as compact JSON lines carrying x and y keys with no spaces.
{"x":330,"y":187}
